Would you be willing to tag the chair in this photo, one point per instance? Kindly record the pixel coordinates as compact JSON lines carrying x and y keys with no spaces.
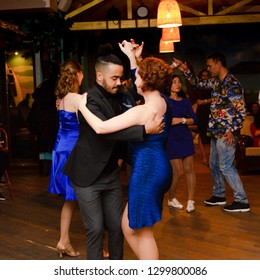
{"x":247,"y":156}
{"x":5,"y":143}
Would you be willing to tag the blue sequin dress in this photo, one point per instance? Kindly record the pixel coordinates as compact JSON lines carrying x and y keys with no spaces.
{"x":65,"y":141}
{"x":151,"y":178}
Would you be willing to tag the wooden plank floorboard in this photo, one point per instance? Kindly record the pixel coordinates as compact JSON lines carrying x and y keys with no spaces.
{"x":29,"y":227}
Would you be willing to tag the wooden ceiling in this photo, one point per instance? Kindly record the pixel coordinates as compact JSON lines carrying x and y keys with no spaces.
{"x":93,"y":14}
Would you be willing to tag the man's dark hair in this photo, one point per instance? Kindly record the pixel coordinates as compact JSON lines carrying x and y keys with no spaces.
{"x":106,"y":55}
{"x":218,"y":56}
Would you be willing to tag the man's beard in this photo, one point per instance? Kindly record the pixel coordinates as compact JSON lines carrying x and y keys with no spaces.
{"x":104,"y":85}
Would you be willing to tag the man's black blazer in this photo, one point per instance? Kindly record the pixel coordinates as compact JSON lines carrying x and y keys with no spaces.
{"x":92,"y":151}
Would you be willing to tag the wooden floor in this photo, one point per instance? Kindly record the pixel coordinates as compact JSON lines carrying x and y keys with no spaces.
{"x":29,"y":224}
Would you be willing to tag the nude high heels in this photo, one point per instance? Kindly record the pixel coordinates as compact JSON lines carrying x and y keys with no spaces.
{"x":105,"y":254}
{"x":67,"y":250}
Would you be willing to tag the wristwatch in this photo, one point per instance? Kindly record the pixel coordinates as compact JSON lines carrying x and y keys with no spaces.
{"x":184,"y":120}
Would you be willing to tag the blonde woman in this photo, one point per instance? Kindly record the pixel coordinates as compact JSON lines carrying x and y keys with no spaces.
{"x":67,"y":92}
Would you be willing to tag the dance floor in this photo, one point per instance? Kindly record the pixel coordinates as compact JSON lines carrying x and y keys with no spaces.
{"x":29,"y":227}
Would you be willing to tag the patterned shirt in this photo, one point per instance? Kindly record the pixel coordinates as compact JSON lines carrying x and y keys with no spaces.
{"x":227,"y":109}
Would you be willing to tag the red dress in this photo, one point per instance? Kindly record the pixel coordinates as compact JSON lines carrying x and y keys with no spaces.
{"x":256,"y":139}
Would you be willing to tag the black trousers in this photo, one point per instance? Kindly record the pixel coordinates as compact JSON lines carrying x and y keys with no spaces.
{"x":102,"y":205}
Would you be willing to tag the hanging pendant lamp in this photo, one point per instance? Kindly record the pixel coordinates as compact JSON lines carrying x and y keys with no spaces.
{"x":166,"y":47}
{"x":168,"y":14}
{"x":171,"y":34}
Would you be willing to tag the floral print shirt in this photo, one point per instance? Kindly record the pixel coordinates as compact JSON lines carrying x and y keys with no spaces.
{"x":227,"y":109}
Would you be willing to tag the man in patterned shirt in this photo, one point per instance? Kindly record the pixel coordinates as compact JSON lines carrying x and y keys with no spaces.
{"x":225,"y":122}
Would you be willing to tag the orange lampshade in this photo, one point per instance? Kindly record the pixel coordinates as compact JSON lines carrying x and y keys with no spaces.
{"x":168,"y":14}
{"x":171,"y":34}
{"x":166,"y":47}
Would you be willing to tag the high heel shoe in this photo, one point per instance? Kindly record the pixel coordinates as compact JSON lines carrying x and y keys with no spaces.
{"x":105,"y":254}
{"x":67,"y":250}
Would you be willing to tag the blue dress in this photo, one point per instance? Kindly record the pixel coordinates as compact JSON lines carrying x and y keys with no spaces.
{"x":180,"y":141}
{"x":66,"y":139}
{"x":151,"y":178}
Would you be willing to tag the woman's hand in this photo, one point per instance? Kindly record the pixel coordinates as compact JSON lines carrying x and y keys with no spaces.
{"x":82,"y":100}
{"x":177,"y":63}
{"x":137,"y":49}
{"x":127,"y":48}
{"x":132,"y":49}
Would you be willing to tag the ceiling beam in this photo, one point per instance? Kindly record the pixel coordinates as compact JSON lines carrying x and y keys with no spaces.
{"x":226,"y":19}
{"x":233,"y":7}
{"x":129,"y":9}
{"x":28,"y":5}
{"x":210,"y":7}
{"x":190,"y":10}
{"x":147,"y":23}
{"x":83,"y":8}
